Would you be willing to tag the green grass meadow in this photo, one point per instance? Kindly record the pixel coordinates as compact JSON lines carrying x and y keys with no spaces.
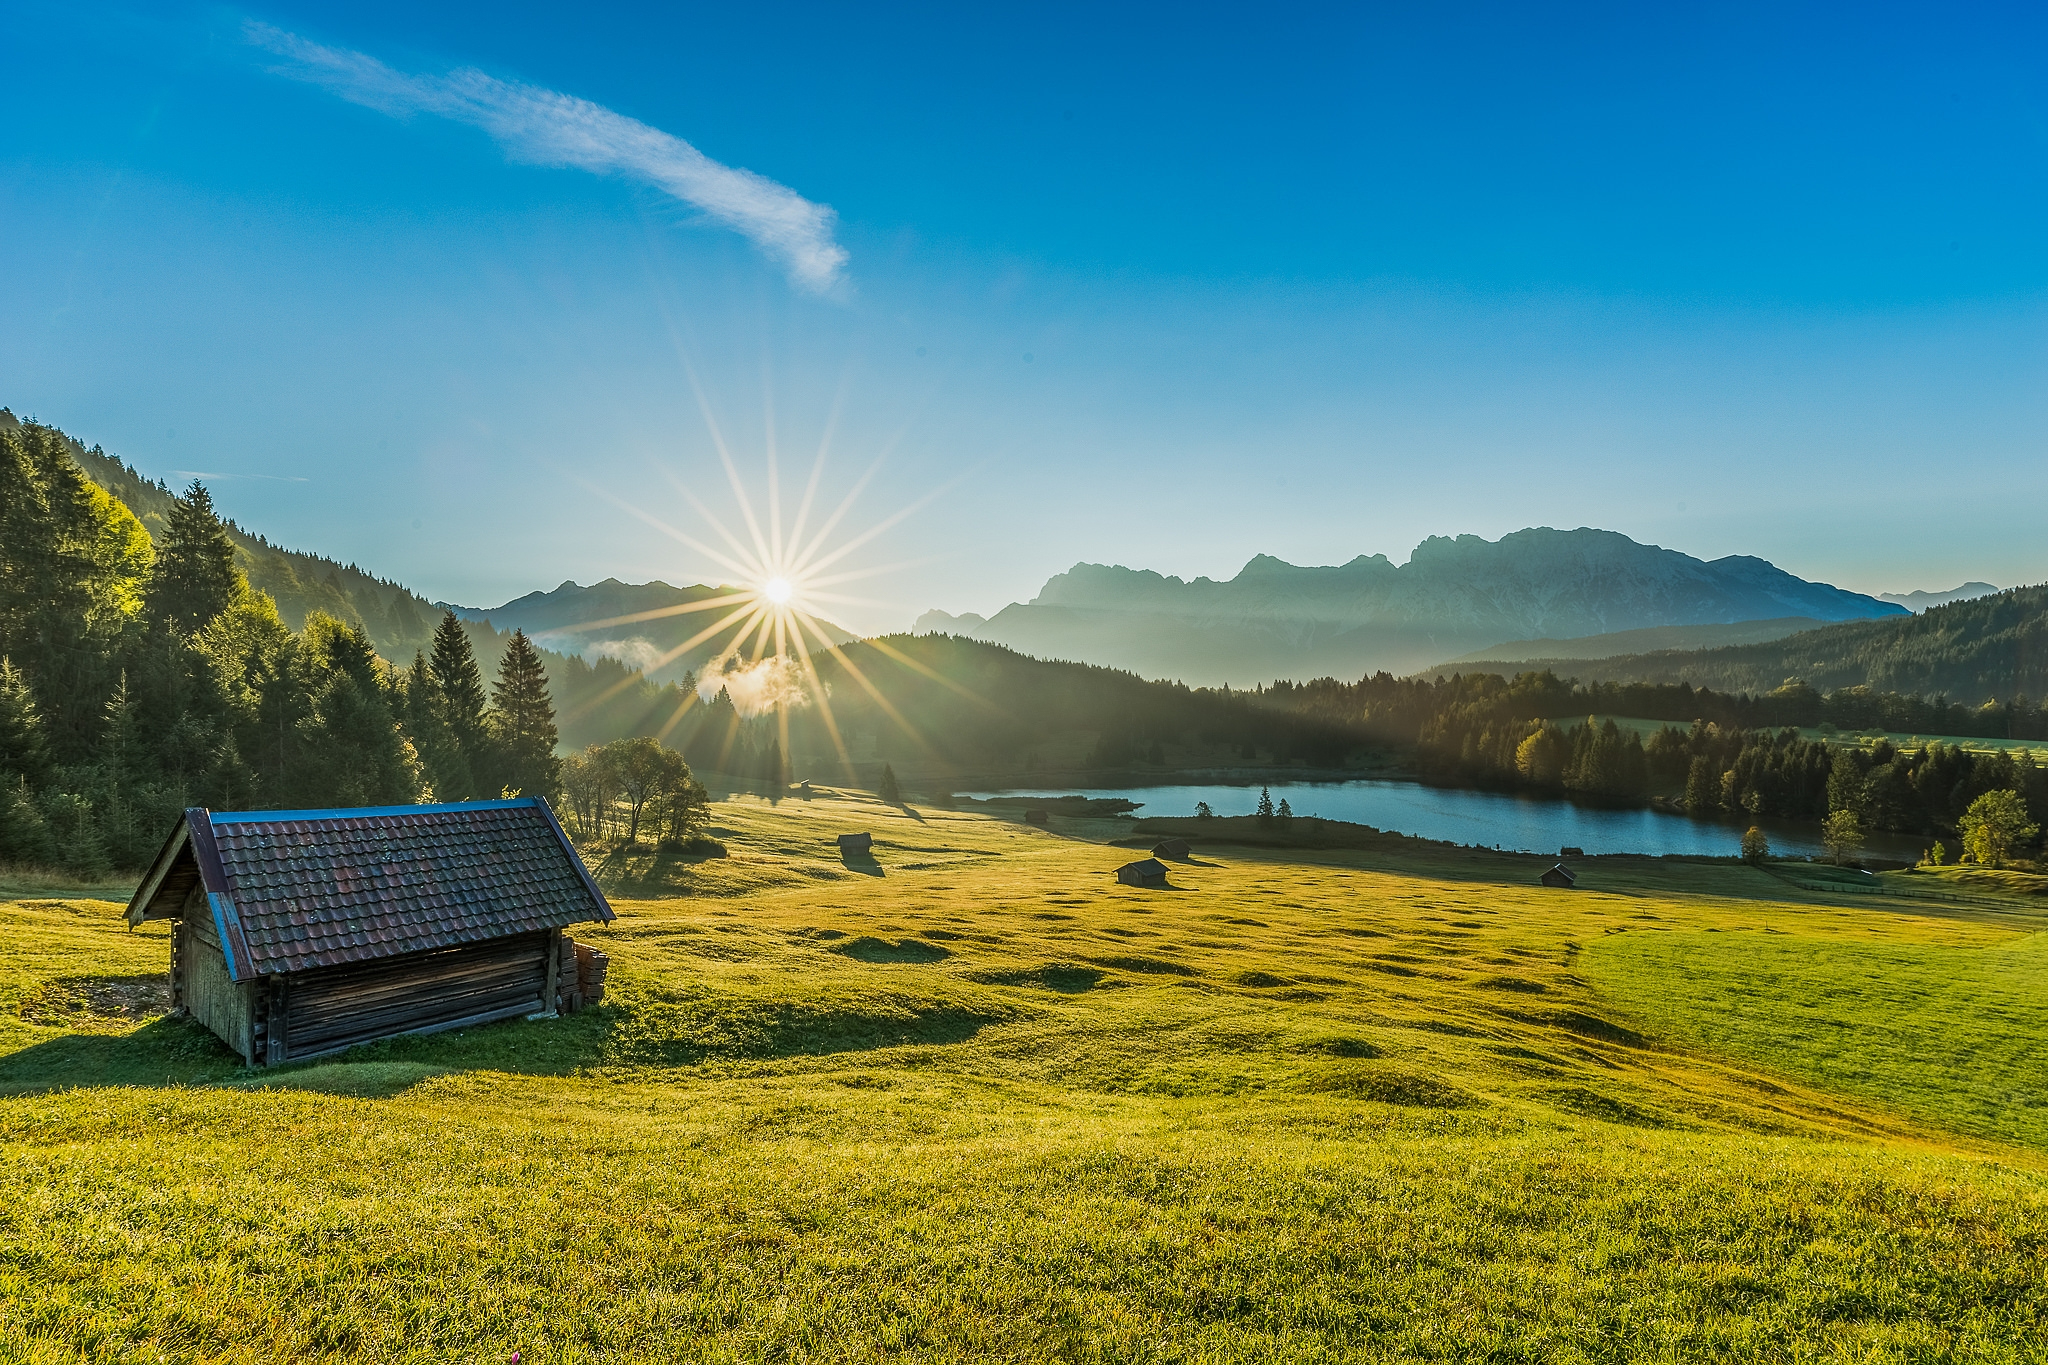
{"x":970,"y":1099}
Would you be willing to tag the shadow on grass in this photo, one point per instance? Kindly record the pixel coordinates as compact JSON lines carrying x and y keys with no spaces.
{"x":880,"y":950}
{"x":863,"y":863}
{"x":657,"y":1032}
{"x":666,"y":867}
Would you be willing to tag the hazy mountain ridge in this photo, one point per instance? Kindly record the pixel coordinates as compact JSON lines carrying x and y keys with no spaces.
{"x":1921,"y":599}
{"x":1454,"y":595}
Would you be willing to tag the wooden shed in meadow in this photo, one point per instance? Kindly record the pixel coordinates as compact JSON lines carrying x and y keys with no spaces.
{"x":1559,"y":875}
{"x":856,"y":843}
{"x":1170,"y":848}
{"x":301,"y":933}
{"x":1144,"y":872}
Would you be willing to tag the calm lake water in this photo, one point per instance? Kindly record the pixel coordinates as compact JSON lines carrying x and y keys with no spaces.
{"x":1523,"y":823}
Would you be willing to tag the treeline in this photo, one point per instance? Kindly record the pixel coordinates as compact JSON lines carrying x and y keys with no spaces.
{"x":139,"y":678}
{"x":1736,"y":755}
{"x":1921,"y":790}
{"x":1402,"y":706}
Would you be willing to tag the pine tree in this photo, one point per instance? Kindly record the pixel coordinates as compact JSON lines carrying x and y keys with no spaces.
{"x":195,"y":578}
{"x":460,"y":756}
{"x":891,"y":794}
{"x":523,"y":716}
{"x":349,"y":751}
{"x":1286,"y":812}
{"x":1265,"y":811}
{"x":24,"y":834}
{"x":23,"y":751}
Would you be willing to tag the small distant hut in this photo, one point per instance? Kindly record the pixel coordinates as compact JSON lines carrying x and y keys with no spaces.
{"x":1568,"y":851}
{"x":1037,"y":815}
{"x":1560,"y":875}
{"x":1170,"y":848}
{"x":856,"y":843}
{"x":301,"y":933}
{"x":1144,"y":872}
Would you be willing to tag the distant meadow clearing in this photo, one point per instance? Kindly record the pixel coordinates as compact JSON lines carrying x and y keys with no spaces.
{"x":971,"y":1099}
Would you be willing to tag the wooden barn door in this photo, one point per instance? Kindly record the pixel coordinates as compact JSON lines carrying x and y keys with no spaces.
{"x":331,"y":1008}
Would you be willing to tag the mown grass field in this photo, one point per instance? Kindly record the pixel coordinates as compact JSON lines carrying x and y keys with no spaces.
{"x":971,"y":1099}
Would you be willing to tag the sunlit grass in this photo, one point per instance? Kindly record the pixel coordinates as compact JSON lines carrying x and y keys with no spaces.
{"x":971,"y":1099}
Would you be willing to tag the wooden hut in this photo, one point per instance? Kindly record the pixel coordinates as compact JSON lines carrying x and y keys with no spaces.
{"x":1170,"y":848}
{"x":1037,"y":815}
{"x":301,"y":933}
{"x":1559,"y":875}
{"x":1144,"y":872}
{"x":856,"y":843}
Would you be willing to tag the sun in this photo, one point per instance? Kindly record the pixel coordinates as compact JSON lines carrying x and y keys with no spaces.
{"x":783,"y":571}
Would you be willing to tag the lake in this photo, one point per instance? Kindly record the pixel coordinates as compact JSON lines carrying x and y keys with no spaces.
{"x":1524,"y":823}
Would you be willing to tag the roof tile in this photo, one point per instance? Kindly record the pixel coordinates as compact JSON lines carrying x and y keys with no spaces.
{"x":346,"y":888}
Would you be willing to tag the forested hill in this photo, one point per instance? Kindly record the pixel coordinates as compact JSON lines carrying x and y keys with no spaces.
{"x":599,"y":700}
{"x":398,"y":622}
{"x":1986,"y":649}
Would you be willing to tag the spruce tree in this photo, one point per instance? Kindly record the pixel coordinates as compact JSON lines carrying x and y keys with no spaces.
{"x":523,"y":717}
{"x":890,"y":793}
{"x":195,"y":578}
{"x":460,"y":756}
{"x":23,"y":752}
{"x":24,"y":835}
{"x":349,"y":751}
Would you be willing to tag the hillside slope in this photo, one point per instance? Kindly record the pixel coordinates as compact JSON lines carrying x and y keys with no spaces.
{"x":1982,"y":649}
{"x":1453,"y":595}
{"x":1641,"y":641}
{"x":596,"y":700}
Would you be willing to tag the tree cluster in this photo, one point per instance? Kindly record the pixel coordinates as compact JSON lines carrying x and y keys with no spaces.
{"x":614,"y":790}
{"x":138,"y":677}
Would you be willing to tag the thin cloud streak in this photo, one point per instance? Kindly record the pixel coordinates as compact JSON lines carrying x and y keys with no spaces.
{"x":547,"y":128}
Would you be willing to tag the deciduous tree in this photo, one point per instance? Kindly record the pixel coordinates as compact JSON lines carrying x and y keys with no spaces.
{"x":1996,"y":827}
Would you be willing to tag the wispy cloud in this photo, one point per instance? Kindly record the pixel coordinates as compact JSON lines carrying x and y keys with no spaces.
{"x":218,"y":475}
{"x":546,"y":128}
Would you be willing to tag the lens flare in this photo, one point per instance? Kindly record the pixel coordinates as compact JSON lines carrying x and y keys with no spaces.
{"x":769,"y":630}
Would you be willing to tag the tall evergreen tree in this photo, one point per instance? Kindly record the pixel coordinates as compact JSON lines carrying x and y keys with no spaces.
{"x":523,"y":716}
{"x":459,"y":757}
{"x":72,"y":563}
{"x":350,"y":751}
{"x":195,"y":578}
{"x":23,"y":750}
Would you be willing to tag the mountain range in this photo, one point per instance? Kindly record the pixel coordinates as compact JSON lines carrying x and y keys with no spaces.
{"x":1454,"y":595}
{"x":1921,"y":600}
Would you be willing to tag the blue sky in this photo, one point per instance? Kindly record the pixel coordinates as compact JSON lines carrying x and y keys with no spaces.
{"x":1164,"y":287}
